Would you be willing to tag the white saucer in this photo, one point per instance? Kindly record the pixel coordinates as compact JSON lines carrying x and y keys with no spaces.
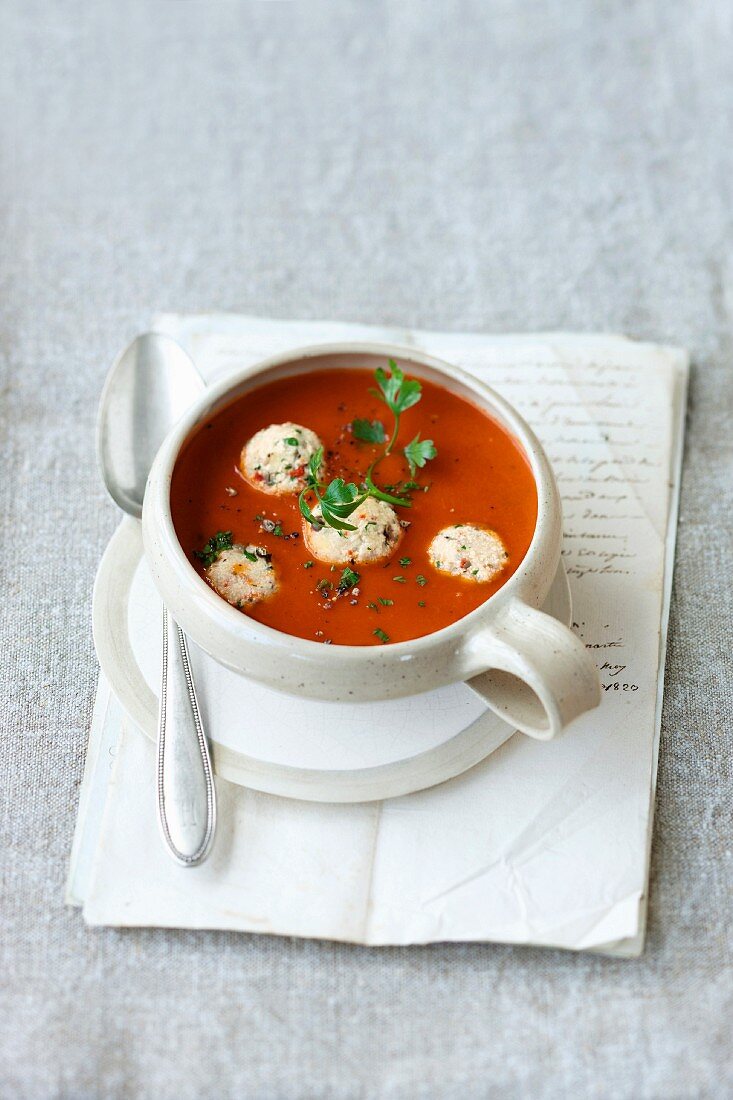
{"x":298,"y":748}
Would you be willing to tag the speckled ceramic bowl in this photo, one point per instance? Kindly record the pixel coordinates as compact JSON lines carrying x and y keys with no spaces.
{"x":538,"y":673}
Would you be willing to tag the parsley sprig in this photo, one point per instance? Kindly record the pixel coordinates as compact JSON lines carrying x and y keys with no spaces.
{"x":398,"y":393}
{"x":337,"y":499}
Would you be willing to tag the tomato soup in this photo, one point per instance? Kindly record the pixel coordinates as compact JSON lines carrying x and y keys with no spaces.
{"x":479,"y":476}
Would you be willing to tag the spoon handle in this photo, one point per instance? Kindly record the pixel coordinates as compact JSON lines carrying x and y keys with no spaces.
{"x":185,"y":782}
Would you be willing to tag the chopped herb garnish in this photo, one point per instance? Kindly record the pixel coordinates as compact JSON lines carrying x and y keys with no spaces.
{"x":307,"y":564}
{"x":277,"y":530}
{"x":400,"y":580}
{"x":381,"y":635}
{"x":324,"y":586}
{"x":291,"y":441}
{"x":422,"y":581}
{"x":250,"y":556}
{"x":385,"y":603}
{"x":216,"y":545}
{"x":405,"y":561}
{"x":372,"y":606}
{"x":348,"y":579}
{"x":371,"y":431}
{"x":421,"y":603}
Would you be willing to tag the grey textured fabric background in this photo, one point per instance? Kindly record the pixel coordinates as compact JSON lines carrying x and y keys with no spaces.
{"x":497,"y":166}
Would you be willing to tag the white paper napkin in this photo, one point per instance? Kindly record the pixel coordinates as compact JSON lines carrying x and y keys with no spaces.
{"x":542,"y":843}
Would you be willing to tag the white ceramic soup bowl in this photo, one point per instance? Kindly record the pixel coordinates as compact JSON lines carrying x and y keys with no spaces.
{"x":539,"y":676}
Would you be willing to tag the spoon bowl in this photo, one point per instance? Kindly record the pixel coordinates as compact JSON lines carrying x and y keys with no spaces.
{"x":151,"y":385}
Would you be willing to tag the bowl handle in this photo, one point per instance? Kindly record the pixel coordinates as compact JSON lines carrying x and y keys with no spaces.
{"x":536,"y":674}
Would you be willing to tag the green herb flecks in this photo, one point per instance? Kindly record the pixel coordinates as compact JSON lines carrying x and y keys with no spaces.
{"x":384,"y":602}
{"x":381,"y":635}
{"x":349,"y":578}
{"x":216,"y":545}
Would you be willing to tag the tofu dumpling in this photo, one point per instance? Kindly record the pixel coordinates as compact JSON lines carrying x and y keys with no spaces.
{"x":377,"y":534}
{"x":240,"y":579}
{"x":275,"y":459}
{"x":467,"y":550}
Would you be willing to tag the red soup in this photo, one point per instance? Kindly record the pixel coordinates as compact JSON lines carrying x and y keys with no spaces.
{"x":468,"y":479}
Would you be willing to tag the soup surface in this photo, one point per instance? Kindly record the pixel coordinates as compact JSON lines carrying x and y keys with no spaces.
{"x":479,"y":476}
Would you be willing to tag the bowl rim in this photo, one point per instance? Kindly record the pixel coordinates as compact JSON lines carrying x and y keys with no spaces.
{"x":157,"y":499}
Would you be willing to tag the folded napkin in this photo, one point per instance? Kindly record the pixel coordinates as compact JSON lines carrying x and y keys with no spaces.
{"x":542,"y":844}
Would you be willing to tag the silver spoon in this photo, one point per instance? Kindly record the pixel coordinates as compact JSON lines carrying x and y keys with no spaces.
{"x":149,"y":388}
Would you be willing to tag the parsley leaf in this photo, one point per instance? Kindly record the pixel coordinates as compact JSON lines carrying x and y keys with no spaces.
{"x":371,"y":431}
{"x":342,"y":498}
{"x":314,"y":466}
{"x":398,"y":393}
{"x":349,"y":578}
{"x":418,"y":452}
{"x":339,"y":501}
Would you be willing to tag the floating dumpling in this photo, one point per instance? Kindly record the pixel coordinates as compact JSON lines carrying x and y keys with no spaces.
{"x":276,"y":459}
{"x":242,"y":575}
{"x":467,"y":550}
{"x":377,"y":534}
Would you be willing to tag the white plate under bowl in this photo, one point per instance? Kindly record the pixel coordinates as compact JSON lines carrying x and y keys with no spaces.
{"x":297,"y":748}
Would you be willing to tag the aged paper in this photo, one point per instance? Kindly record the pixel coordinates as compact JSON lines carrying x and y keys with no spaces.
{"x":542,"y":843}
